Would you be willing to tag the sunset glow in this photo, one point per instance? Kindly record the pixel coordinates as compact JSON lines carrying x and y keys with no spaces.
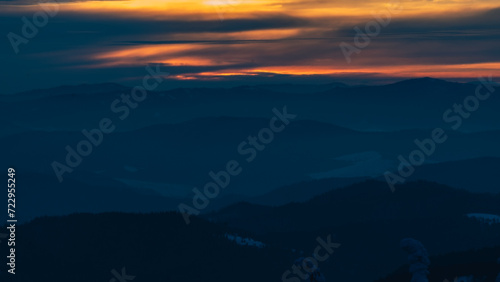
{"x":210,"y":39}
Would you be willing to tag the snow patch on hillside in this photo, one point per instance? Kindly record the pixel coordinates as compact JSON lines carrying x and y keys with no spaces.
{"x":485,"y":218}
{"x":244,"y":241}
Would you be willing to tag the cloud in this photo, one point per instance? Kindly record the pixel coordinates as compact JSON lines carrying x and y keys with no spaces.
{"x":90,"y":46}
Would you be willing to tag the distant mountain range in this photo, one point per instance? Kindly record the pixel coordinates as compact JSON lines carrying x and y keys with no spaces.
{"x":77,"y":194}
{"x":410,"y":104}
{"x":322,"y":175}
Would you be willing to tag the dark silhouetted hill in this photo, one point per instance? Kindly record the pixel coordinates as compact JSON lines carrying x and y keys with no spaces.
{"x":151,"y":247}
{"x":482,"y":265}
{"x":370,"y":221}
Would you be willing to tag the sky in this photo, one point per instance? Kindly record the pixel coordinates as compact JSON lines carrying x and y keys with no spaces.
{"x":228,"y":42}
